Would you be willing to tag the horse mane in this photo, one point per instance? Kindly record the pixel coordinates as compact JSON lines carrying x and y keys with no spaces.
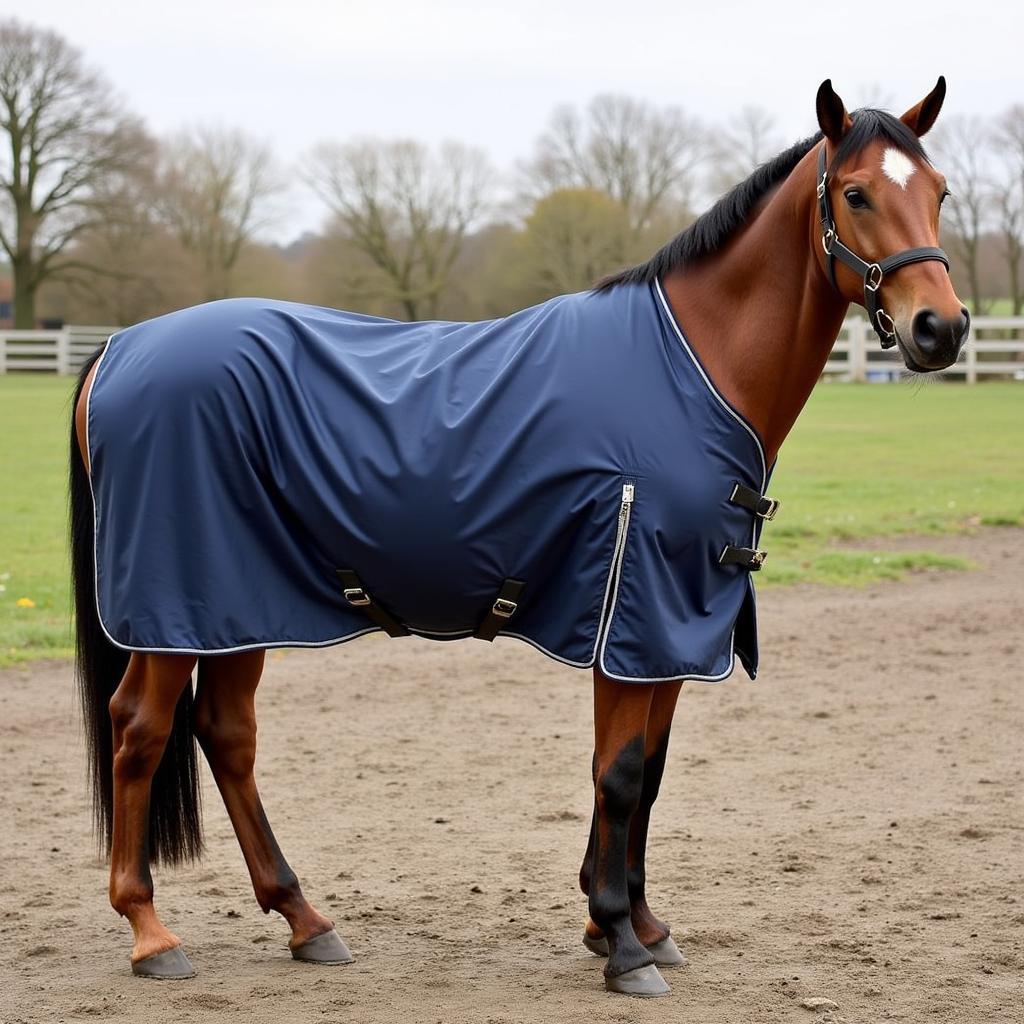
{"x":712,"y":229}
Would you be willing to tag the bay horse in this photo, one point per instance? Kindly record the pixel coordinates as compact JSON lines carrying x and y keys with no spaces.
{"x":762,"y":282}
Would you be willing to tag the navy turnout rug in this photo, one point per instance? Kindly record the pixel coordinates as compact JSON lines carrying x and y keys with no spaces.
{"x":272,"y":474}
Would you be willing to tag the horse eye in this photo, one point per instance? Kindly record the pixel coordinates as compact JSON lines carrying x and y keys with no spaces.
{"x":945,"y":195}
{"x":856,"y":198}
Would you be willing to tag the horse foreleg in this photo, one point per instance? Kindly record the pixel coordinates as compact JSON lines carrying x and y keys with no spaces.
{"x":225,"y":725}
{"x":142,"y":714}
{"x":621,"y":711}
{"x":652,"y":932}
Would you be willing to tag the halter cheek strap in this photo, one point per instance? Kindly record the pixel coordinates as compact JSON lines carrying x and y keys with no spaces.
{"x":872,"y":274}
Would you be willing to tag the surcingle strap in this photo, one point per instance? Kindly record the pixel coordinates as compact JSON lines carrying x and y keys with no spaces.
{"x":501,"y":611}
{"x":357,"y":597}
{"x":747,"y":558}
{"x":760,"y":504}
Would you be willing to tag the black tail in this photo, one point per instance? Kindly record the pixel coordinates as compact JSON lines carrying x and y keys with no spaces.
{"x":175,"y":825}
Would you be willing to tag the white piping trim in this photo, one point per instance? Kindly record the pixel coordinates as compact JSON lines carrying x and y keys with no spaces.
{"x":711,"y":387}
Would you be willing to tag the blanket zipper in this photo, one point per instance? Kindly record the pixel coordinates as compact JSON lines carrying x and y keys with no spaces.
{"x":615,"y":569}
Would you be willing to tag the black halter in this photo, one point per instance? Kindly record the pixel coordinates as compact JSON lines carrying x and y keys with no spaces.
{"x":871,"y":273}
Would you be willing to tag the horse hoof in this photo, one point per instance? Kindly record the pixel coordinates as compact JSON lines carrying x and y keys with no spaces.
{"x":171,"y":965}
{"x":326,"y":949}
{"x":645,"y":982}
{"x":666,"y":953}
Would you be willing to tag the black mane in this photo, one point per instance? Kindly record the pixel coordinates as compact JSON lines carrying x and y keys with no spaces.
{"x":716,"y":226}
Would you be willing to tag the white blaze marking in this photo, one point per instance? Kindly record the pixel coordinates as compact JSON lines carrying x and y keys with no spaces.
{"x":898,"y":167}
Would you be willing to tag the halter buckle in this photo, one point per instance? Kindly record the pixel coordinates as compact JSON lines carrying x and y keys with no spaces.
{"x":890,"y":331}
{"x":820,"y":190}
{"x":873,"y":278}
{"x":828,"y":240}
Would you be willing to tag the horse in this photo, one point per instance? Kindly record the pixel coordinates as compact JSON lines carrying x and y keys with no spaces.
{"x":726,"y":329}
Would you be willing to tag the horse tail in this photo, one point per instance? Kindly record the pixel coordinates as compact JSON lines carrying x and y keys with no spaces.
{"x":175,"y":825}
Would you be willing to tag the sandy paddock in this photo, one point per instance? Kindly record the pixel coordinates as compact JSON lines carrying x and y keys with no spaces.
{"x":848,"y":828}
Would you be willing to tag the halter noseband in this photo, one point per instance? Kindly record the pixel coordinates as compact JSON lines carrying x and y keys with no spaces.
{"x":872,"y":274}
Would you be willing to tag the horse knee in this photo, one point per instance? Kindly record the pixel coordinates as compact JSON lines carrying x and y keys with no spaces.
{"x":619,"y":785}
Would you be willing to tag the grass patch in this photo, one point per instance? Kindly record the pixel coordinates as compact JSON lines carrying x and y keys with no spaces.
{"x":859,"y":568}
{"x":878,"y":460}
{"x":863,"y":461}
{"x":34,"y":424}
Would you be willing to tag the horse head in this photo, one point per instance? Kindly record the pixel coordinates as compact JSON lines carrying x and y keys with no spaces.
{"x":878,"y":204}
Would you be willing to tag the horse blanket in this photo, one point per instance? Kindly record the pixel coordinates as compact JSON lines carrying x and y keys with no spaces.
{"x":245,"y":450}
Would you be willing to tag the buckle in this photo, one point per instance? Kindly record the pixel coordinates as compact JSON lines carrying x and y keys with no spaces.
{"x":890,"y":331}
{"x":873,"y":277}
{"x":357,"y":596}
{"x":773,"y":507}
{"x":746,"y":558}
{"x":504,"y":608}
{"x":820,"y":190}
{"x":828,"y":240}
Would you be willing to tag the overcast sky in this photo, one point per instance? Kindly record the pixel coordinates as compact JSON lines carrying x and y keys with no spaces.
{"x":297,"y":71}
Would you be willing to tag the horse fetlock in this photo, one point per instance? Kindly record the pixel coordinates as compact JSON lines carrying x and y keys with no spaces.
{"x":130,"y":895}
{"x":609,"y":907}
{"x":625,"y":953}
{"x":280,"y":892}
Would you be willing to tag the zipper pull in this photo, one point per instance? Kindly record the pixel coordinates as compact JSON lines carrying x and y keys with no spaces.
{"x":627,"y":494}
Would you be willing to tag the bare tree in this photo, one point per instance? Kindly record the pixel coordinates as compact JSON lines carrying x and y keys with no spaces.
{"x":573,"y":237}
{"x":1008,"y":189}
{"x":626,"y":148}
{"x":748,"y":140}
{"x":406,"y":209}
{"x":67,"y":137}
{"x":215,"y":188}
{"x":963,"y":144}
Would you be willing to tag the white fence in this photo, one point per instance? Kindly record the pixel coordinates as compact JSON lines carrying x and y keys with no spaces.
{"x":61,"y":351}
{"x":996,"y":348}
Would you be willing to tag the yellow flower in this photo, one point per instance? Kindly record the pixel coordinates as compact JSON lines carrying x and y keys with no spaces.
{"x":25,"y":602}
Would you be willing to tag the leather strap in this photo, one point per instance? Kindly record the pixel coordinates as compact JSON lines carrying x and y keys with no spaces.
{"x":504,"y":607}
{"x":754,"y":501}
{"x":357,"y":597}
{"x":871,"y":274}
{"x":747,"y":558}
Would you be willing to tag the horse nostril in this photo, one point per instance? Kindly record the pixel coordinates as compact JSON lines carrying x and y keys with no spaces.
{"x":962,"y":326}
{"x":926,"y":329}
{"x":938,"y":336}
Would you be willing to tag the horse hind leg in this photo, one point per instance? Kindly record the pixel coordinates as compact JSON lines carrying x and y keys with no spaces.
{"x":142,"y":712}
{"x":225,"y":724}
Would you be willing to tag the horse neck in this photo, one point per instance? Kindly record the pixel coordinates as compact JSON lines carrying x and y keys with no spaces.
{"x":760,"y":313}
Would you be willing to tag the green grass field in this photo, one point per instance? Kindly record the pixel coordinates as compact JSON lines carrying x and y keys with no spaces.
{"x":865,"y":461}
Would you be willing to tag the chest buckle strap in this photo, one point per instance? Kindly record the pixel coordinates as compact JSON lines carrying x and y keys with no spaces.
{"x":746,"y":558}
{"x":504,"y":607}
{"x":753,"y":501}
{"x":358,"y":597}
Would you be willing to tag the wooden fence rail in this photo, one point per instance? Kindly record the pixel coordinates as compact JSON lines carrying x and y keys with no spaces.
{"x":996,"y":348}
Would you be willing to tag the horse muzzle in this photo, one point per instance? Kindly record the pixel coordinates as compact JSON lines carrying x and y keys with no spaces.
{"x":934,"y":341}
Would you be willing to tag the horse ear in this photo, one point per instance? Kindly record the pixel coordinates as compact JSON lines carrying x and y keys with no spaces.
{"x":833,"y":119}
{"x":920,"y":118}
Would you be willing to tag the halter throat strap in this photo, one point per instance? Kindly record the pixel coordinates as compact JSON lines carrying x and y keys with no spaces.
{"x":872,"y":274}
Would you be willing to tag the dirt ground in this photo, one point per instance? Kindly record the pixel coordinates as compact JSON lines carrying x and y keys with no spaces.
{"x":849,"y":828}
